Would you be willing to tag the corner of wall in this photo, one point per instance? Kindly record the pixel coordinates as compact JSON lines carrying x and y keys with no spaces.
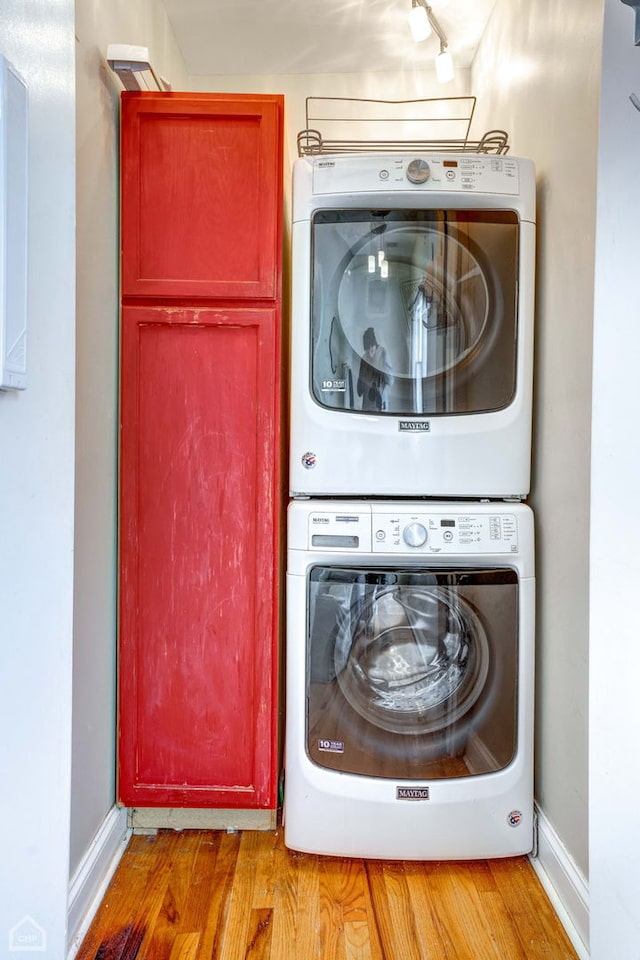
{"x":564,"y":884}
{"x":91,"y":879}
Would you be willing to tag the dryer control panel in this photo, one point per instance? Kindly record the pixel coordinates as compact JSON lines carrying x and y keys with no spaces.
{"x":465,"y":173}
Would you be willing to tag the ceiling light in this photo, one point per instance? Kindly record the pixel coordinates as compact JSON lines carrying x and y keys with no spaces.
{"x":422,"y":21}
{"x":444,"y":65}
{"x":133,"y":67}
{"x":419,"y":21}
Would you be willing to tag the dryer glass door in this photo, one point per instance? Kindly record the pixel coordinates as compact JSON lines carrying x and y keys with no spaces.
{"x":414,"y":312}
{"x":412,"y":673}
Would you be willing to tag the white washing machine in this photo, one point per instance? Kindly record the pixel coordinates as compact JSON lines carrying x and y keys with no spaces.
{"x":410,"y":659}
{"x":412,"y":332}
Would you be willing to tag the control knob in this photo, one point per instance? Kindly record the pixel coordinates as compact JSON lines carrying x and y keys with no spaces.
{"x":415,"y":535}
{"x":418,"y":171}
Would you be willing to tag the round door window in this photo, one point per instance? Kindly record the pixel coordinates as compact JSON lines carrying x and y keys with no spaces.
{"x":413,"y":302}
{"x":412,"y":660}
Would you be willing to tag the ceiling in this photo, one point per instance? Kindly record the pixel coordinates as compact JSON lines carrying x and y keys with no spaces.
{"x":318,"y":36}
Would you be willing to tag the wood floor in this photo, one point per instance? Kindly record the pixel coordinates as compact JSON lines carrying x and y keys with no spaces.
{"x":243,"y":896}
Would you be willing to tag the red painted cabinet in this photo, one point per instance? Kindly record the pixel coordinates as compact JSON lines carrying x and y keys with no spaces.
{"x":200,"y":487}
{"x":200,"y":196}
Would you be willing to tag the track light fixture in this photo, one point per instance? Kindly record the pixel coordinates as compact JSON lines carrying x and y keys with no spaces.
{"x":422,"y":21}
{"x":444,"y":65}
{"x":419,"y":21}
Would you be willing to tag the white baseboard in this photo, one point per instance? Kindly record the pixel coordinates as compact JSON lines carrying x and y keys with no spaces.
{"x":564,"y":884}
{"x":90,"y":881}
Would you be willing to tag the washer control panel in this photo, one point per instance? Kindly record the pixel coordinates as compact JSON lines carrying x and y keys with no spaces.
{"x":390,"y":531}
{"x":444,"y":533}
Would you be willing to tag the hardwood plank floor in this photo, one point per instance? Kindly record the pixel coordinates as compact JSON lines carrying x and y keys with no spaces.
{"x":207,"y":895}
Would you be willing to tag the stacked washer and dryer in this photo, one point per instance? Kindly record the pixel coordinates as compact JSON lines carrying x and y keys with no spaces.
{"x":410,"y":562}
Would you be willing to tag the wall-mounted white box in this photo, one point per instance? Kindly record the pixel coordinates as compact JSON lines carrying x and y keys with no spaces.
{"x":14,"y":137}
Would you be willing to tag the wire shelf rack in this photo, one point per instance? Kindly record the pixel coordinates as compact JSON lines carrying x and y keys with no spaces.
{"x":354,"y":125}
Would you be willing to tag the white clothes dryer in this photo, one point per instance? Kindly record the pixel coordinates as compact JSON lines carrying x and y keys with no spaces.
{"x":410,"y":660}
{"x":412,"y":325}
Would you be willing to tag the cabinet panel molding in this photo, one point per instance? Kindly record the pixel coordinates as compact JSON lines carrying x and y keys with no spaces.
{"x":202,"y":195}
{"x":199,"y":556}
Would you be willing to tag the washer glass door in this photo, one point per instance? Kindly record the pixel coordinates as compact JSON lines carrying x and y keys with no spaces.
{"x":414,"y":312}
{"x":412,"y":673}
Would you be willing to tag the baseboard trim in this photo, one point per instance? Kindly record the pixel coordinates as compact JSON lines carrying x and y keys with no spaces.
{"x":90,"y":881}
{"x":564,"y":884}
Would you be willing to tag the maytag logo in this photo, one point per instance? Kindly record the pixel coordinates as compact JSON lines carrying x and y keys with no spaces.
{"x":414,"y":426}
{"x":412,"y":793}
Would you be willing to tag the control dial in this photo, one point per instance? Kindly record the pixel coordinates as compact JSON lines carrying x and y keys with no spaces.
{"x":415,"y":535}
{"x":418,"y":171}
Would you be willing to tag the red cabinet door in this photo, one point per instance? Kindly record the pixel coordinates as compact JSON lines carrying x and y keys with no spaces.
{"x":199,"y":553}
{"x":201,"y":195}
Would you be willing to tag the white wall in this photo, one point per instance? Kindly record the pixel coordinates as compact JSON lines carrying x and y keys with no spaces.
{"x":141,"y":22}
{"x":615,"y":521}
{"x":36,"y":497}
{"x":407,"y":85}
{"x":537,"y":74}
